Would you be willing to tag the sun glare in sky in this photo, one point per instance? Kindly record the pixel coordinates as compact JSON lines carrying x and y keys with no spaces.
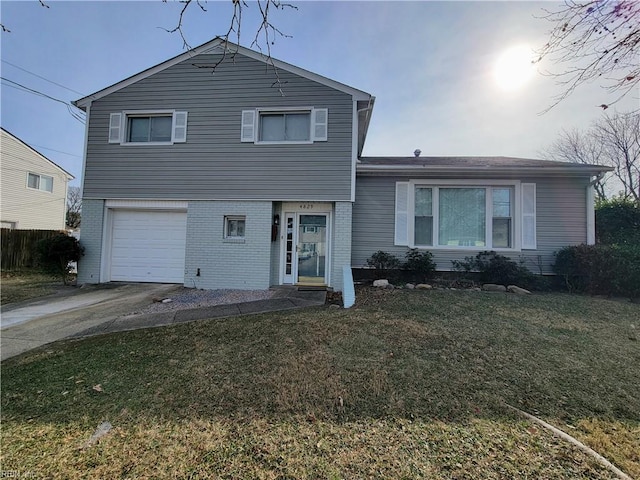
{"x":514,"y":69}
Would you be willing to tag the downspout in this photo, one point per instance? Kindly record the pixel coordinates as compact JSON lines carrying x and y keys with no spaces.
{"x":591,"y":212}
{"x":368,"y":109}
{"x":355,"y":145}
{"x":598,"y":177}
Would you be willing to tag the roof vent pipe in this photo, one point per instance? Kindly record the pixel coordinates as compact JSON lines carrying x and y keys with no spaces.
{"x":417,"y":152}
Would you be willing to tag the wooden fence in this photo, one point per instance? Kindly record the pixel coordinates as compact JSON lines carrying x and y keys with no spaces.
{"x":19,"y":247}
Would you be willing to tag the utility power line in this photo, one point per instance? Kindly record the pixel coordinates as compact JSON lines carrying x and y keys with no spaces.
{"x":19,"y":86}
{"x":41,"y":77}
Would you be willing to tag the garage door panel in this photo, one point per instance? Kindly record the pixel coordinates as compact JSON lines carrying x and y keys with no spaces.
{"x":148,"y":246}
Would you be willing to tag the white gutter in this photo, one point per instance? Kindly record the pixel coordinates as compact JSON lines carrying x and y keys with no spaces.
{"x":472,"y":170}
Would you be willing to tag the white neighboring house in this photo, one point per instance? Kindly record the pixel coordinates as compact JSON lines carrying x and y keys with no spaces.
{"x":33,"y":188}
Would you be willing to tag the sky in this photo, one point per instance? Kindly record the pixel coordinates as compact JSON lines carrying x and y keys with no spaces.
{"x":430,"y":65}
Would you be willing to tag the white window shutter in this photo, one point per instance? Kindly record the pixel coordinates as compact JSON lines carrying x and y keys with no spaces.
{"x":248,"y":127}
{"x":115,"y":128}
{"x":179,"y":127}
{"x":402,"y":214}
{"x":320,"y":124}
{"x":529,"y":216}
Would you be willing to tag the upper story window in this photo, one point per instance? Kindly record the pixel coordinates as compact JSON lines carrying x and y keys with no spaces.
{"x":282,"y":125}
{"x":149,"y":128}
{"x":160,"y":127}
{"x":40,"y":182}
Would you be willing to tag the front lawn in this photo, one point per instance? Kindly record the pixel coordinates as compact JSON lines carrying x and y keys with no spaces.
{"x":407,"y":384}
{"x":20,"y":286}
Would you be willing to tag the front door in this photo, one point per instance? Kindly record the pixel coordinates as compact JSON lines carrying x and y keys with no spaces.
{"x":305,"y":245}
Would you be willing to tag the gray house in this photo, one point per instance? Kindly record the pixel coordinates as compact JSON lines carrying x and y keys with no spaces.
{"x":200,"y":171}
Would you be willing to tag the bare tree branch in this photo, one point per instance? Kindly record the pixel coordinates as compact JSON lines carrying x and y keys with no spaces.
{"x":577,"y":147}
{"x":614,"y":141}
{"x":263,"y":39}
{"x":5,"y":29}
{"x":595,"y":40}
{"x":74,"y":207}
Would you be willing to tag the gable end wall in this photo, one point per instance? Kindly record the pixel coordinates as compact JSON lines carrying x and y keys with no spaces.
{"x":213,"y":163}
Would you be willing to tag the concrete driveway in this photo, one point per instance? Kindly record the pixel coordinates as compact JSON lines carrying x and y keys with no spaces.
{"x":33,"y":323}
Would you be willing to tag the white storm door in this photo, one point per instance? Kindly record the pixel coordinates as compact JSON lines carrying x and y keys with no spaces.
{"x":311,"y":251}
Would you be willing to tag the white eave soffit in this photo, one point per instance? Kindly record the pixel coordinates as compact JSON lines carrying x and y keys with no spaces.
{"x":217,"y":46}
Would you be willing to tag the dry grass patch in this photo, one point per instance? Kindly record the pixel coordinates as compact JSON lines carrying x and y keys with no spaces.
{"x":297,"y":448}
{"x":423,"y":378}
{"x":20,"y":286}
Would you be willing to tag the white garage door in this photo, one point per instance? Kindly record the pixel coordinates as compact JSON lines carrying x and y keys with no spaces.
{"x":148,"y":246}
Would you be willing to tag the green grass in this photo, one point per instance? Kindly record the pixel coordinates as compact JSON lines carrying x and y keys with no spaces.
{"x":20,"y":286}
{"x":423,"y":378}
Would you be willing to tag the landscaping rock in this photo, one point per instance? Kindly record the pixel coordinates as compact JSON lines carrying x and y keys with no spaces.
{"x":424,"y":286}
{"x":492,"y":287}
{"x":390,"y":287}
{"x":410,"y":286}
{"x":517,"y":290}
{"x":381,"y":283}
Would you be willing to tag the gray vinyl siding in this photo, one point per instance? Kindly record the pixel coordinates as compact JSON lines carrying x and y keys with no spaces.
{"x":213,"y":163}
{"x":560,"y":221}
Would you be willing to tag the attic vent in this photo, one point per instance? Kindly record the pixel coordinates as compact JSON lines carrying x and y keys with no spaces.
{"x":417,"y":152}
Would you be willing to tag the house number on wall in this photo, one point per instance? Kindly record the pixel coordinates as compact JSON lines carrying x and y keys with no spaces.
{"x":306,"y":206}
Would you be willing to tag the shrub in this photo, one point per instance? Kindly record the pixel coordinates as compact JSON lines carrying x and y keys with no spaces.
{"x":600,"y":269}
{"x":383,"y":262}
{"x":57,"y":252}
{"x":495,"y":268}
{"x":420,"y":264}
{"x":618,"y":222}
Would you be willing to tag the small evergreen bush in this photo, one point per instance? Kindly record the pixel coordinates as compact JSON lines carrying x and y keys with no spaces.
{"x":495,"y":268}
{"x":420,"y":264}
{"x":383,"y":263}
{"x":600,"y":269}
{"x":57,"y":252}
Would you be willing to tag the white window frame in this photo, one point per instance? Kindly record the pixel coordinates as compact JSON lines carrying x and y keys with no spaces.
{"x":228,"y":218}
{"x":488,"y":186}
{"x":40,"y":176}
{"x":177,"y":118}
{"x":313,"y":130}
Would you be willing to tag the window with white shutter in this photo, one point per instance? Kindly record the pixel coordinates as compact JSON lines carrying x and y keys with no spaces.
{"x":465,"y":214}
{"x":284,"y":125}
{"x":159,"y":127}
